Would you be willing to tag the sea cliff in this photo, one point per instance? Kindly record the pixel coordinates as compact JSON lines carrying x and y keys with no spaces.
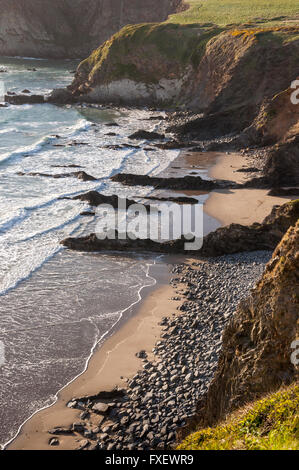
{"x":71,"y":28}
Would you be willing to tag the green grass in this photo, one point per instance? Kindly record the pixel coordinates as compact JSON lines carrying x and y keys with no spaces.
{"x":151,"y":51}
{"x":269,"y":424}
{"x":179,"y":45}
{"x":225,"y":12}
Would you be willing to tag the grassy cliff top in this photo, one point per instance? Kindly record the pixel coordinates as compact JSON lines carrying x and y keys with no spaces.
{"x":147,"y":53}
{"x":226,"y":12}
{"x":269,"y":424}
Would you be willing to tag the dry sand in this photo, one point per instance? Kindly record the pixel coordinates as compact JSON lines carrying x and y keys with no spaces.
{"x":240,"y":206}
{"x":115,"y":359}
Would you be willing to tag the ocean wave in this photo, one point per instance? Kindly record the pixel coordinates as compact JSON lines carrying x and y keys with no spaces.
{"x":31,"y":269}
{"x":16,"y":219}
{"x":35,"y":148}
{"x":81,"y":126}
{"x":49,"y":230}
{"x":8,"y":130}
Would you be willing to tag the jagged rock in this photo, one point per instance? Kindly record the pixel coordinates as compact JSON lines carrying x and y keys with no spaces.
{"x":185,"y":183}
{"x":225,"y":240}
{"x":61,"y":96}
{"x":256,"y":351}
{"x":24,"y":99}
{"x":265,"y":236}
{"x":93,"y":243}
{"x":81,"y":175}
{"x":146,"y":135}
{"x":95,"y":199}
{"x":174,"y":144}
{"x":178,"y":200}
{"x":281,"y":192}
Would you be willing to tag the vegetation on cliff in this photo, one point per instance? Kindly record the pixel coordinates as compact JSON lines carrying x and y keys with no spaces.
{"x":202,"y":64}
{"x":268,"y":424}
{"x":256,"y":360}
{"x":226,"y":12}
{"x":145,"y":53}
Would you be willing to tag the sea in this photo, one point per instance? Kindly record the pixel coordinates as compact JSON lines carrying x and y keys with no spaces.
{"x":56,"y":306}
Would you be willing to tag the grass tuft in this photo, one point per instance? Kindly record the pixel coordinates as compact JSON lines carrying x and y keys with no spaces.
{"x":269,"y":424}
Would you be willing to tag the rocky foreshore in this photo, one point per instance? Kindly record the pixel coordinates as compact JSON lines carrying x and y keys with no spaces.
{"x":164,"y":393}
{"x":230,"y":239}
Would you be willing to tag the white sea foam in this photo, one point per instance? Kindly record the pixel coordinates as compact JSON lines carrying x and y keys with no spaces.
{"x":34,"y":218}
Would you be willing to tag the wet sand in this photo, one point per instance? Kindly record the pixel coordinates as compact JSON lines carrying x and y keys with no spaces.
{"x":115,"y":361}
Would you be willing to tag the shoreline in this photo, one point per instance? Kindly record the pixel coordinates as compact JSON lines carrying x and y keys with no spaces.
{"x":109,"y":350}
{"x":111,"y":353}
{"x":195,"y":355}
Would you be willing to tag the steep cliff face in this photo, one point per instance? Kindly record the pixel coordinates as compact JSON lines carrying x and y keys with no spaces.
{"x":256,"y":354}
{"x":71,"y":28}
{"x":201,"y":67}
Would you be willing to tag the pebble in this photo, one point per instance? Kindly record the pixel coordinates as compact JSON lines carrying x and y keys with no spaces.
{"x":163,"y":395}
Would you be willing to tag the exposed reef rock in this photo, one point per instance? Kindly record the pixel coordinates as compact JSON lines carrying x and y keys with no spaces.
{"x":265,"y":236}
{"x":225,"y":240}
{"x":81,"y":175}
{"x":93,"y":243}
{"x":256,"y":351}
{"x":71,"y":28}
{"x":146,"y":135}
{"x":185,"y":183}
{"x":96,"y":199}
{"x":24,"y":99}
{"x":281,"y":192}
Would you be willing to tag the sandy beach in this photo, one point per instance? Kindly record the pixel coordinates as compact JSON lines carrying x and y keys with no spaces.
{"x":240,"y":206}
{"x":111,"y":366}
{"x":115,"y":362}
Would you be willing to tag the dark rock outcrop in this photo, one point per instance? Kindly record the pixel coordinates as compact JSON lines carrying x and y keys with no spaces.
{"x":96,"y":199}
{"x":185,"y":183}
{"x":146,"y":135}
{"x":93,"y":243}
{"x":282,"y":192}
{"x":265,"y":236}
{"x":225,"y":240}
{"x":81,"y":175}
{"x":24,"y":99}
{"x":60,"y":96}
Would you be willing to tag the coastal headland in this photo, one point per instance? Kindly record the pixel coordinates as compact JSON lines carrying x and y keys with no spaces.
{"x":215,"y":335}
